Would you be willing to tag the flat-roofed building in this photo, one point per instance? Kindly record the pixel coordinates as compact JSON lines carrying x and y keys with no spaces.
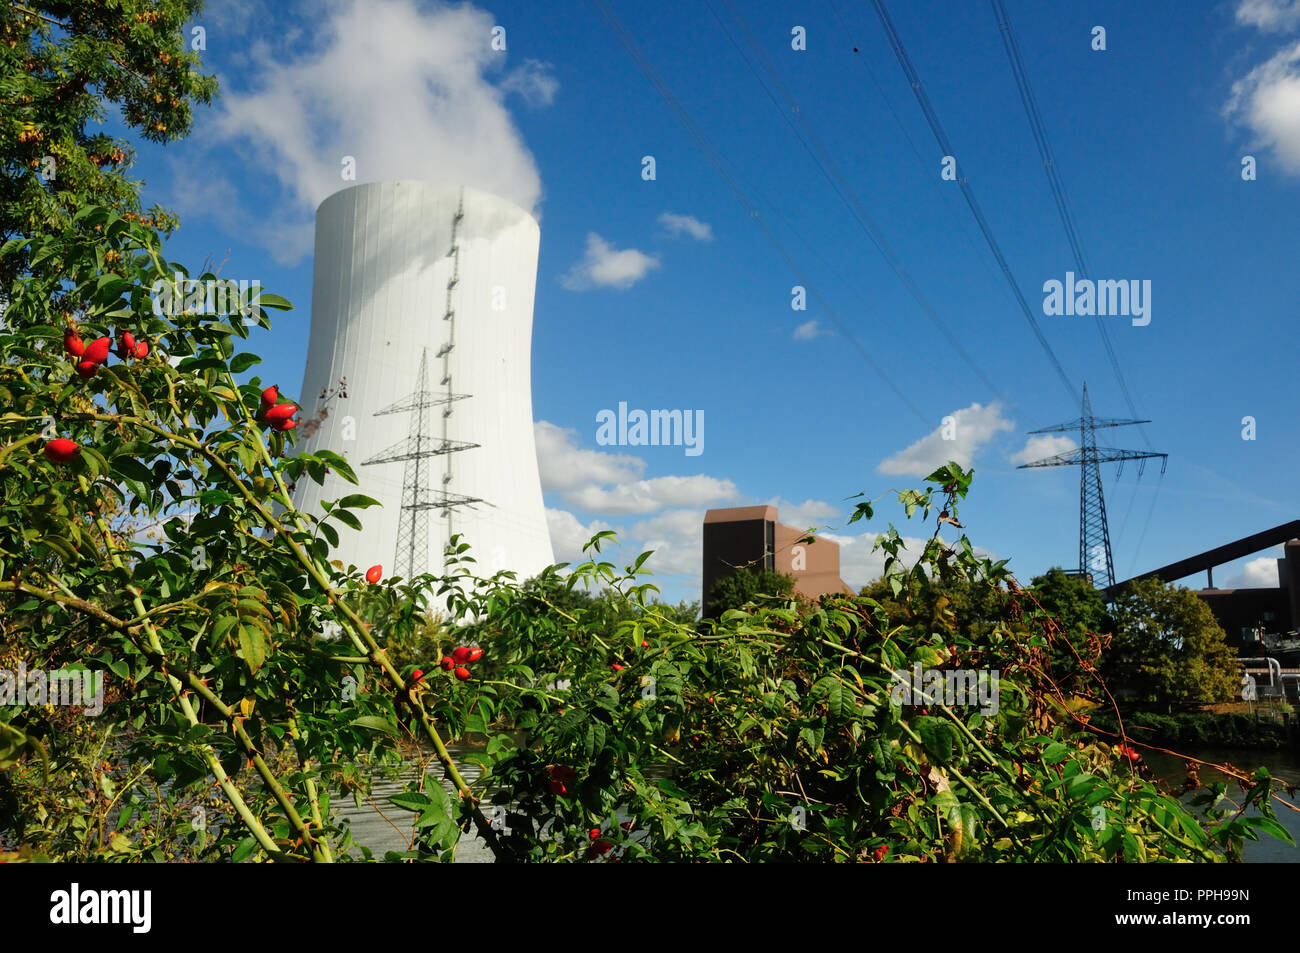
{"x":752,"y":537}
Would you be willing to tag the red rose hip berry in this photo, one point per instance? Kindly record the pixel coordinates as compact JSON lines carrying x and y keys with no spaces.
{"x":280,"y":413}
{"x":97,"y":350}
{"x":61,"y":450}
{"x":374,"y":574}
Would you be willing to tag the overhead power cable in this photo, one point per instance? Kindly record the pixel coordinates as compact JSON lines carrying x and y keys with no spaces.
{"x":1057,"y":186}
{"x":932,"y":118}
{"x":742,"y":196}
{"x":830,"y":170}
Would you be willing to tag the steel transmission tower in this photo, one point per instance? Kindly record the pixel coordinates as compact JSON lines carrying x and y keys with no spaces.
{"x":1094,"y":534}
{"x":412,"y":554}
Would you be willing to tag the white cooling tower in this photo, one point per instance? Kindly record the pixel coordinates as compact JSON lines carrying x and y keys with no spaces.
{"x":407,"y":272}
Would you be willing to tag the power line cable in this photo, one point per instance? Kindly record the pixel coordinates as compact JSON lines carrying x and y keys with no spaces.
{"x":1057,"y":187}
{"x":1155,"y":496}
{"x":741,"y":194}
{"x":830,"y":170}
{"x":932,"y":118}
{"x":958,"y":221}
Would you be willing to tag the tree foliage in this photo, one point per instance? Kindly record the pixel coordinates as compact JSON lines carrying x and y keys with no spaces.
{"x":62,"y":62}
{"x":744,"y":586}
{"x":1169,"y":647}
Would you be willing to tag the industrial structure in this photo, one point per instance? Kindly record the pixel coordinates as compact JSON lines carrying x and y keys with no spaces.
{"x":1248,"y":616}
{"x":1095,"y":558}
{"x":749,"y":537}
{"x":422,"y":300}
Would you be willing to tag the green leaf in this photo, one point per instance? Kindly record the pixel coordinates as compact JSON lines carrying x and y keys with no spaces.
{"x":594,"y":741}
{"x":1055,"y":753}
{"x":411,"y":801}
{"x":375,"y":723}
{"x":358,"y":501}
{"x":243,"y":361}
{"x":244,"y":850}
{"x":1270,"y":827}
{"x":838,"y":696}
{"x":267,"y":300}
{"x":938,"y":737}
{"x":252,"y":646}
{"x":347,"y":519}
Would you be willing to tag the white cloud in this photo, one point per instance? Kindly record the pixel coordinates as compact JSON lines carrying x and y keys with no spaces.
{"x":1267,"y":102}
{"x":1043,"y":445}
{"x":1257,"y":573}
{"x":566,"y":466}
{"x":677,"y":224}
{"x":859,"y":565}
{"x":677,"y":538}
{"x":804,"y":515}
{"x":647,"y":496}
{"x":403,"y":87}
{"x":600,"y":482}
{"x":569,"y":534}
{"x":1261,"y":573}
{"x":1270,"y":16}
{"x":971,"y":428}
{"x":604,"y":266}
{"x":808,"y":331}
{"x":533,"y":81}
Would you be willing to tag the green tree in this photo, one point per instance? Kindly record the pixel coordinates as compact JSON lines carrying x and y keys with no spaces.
{"x":1072,"y":600}
{"x":1168,"y":646}
{"x":61,"y":63}
{"x":1079,"y":610}
{"x":745,"y":586}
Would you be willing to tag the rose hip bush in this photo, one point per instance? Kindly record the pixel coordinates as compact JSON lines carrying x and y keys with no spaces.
{"x":212,"y":636}
{"x":244,"y":664}
{"x":772,"y":734}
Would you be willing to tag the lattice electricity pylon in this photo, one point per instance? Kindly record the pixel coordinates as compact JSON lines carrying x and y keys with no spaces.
{"x":412,"y":555}
{"x":1094,"y":534}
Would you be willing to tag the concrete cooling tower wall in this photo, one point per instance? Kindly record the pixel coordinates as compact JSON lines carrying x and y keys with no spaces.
{"x":408,"y":274}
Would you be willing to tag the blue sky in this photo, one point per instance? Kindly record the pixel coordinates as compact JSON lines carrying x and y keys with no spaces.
{"x":667,"y":293}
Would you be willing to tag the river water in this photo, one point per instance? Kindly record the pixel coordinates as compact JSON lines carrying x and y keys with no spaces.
{"x":1282,"y":765}
{"x":382,"y":826}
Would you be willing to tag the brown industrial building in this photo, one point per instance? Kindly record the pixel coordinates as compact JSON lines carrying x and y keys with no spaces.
{"x":750,"y":537}
{"x":1245,"y":614}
